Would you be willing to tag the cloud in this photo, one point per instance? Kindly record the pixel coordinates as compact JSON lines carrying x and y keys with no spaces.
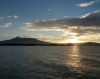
{"x":49,"y":9}
{"x":65,"y":16}
{"x":9,"y":17}
{"x":93,"y":14}
{"x":85,"y":24}
{"x":86,"y":4}
{"x":12,"y":17}
{"x":1,"y":18}
{"x":86,"y":20}
{"x":6,"y":21}
{"x":6,"y":25}
{"x":85,"y":15}
{"x":46,"y":38}
{"x":15,"y":17}
{"x":54,"y":8}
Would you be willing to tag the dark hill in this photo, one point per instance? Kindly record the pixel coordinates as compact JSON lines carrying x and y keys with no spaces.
{"x":23,"y":41}
{"x":18,"y":41}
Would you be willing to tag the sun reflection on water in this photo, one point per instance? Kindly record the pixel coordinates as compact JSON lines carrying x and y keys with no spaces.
{"x":73,"y":58}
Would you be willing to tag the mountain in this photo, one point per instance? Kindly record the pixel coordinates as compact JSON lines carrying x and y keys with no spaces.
{"x":81,"y":44}
{"x":23,"y":41}
{"x":90,"y":44}
{"x":19,"y":41}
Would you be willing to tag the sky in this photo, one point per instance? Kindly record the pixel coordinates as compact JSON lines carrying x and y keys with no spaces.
{"x":58,"y":21}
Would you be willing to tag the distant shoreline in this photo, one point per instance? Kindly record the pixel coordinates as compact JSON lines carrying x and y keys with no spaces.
{"x":18,"y":41}
{"x":80,"y":44}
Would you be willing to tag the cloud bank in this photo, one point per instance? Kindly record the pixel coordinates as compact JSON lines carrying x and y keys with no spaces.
{"x":87,"y":25}
{"x":89,"y":20}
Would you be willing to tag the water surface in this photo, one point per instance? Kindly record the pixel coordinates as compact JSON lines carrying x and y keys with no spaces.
{"x":49,"y":62}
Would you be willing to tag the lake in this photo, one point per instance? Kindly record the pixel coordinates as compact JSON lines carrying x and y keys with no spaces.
{"x":49,"y":62}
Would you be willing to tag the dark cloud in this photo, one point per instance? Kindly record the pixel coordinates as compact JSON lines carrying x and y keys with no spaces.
{"x":87,"y":20}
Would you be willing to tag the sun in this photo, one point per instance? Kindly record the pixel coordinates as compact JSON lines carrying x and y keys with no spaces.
{"x":73,"y":39}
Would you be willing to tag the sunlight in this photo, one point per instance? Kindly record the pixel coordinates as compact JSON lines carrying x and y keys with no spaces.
{"x":73,"y":39}
{"x":73,"y":59}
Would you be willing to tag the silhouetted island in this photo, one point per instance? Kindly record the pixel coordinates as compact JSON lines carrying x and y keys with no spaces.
{"x":19,"y":41}
{"x":23,"y":41}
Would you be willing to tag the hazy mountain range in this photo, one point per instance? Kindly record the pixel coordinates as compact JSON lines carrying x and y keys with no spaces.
{"x":19,"y":41}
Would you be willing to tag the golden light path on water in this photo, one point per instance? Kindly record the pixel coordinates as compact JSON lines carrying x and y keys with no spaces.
{"x":73,"y":58}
